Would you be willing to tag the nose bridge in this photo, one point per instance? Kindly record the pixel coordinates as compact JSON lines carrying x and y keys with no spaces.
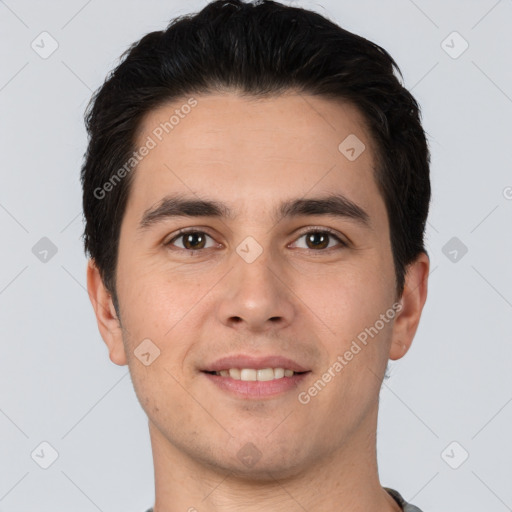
{"x":255,"y":266}
{"x":256,"y":293}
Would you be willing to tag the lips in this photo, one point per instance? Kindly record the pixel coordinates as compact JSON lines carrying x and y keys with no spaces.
{"x":257,"y":363}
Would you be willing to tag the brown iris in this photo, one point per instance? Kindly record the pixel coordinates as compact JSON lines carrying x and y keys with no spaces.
{"x":194,"y":239}
{"x":319,"y":239}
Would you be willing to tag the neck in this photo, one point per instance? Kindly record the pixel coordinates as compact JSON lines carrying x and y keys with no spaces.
{"x":346,"y":480}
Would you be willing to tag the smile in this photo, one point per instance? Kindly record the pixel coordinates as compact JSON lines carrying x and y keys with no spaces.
{"x":250,"y":374}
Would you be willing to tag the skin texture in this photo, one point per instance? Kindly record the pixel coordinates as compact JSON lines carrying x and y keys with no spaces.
{"x":295,"y":300}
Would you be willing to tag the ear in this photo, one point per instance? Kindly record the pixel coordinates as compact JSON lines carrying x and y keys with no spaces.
{"x":413,"y":299}
{"x":106,"y":316}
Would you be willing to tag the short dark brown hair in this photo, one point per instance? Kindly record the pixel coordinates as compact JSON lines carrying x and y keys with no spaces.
{"x":260,"y":49}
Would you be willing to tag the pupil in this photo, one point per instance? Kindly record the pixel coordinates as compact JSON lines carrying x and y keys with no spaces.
{"x":190,"y":240}
{"x":312,"y":238}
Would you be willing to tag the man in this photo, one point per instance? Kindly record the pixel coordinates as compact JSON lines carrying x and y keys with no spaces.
{"x":256,"y":188}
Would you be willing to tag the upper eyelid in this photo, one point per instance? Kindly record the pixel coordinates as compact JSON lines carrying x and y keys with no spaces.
{"x":186,"y":231}
{"x":329,"y":231}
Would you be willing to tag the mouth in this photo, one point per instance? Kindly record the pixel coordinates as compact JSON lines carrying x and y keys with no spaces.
{"x":254,"y":374}
{"x":256,"y":384}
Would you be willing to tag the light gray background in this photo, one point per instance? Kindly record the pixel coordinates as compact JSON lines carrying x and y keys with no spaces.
{"x":57,"y":383}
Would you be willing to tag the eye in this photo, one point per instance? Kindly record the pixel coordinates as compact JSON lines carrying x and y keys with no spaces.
{"x":193,"y":240}
{"x":317,"y":239}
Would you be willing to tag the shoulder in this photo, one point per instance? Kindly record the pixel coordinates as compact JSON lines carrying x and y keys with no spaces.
{"x":407,"y":507}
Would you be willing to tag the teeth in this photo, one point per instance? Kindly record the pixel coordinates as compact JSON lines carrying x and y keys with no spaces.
{"x":279,"y":373}
{"x":250,"y":374}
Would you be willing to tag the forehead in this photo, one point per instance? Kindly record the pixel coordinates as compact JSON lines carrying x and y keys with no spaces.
{"x":245,"y":151}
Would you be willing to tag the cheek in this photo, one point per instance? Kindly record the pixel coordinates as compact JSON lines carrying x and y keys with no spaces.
{"x":347,"y":307}
{"x":167,"y":311}
{"x":345,"y":297}
{"x":153,"y":301}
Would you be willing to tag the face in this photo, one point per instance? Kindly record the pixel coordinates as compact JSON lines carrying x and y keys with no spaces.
{"x":254,"y":279}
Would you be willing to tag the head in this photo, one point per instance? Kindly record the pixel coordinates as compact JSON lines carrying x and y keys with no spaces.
{"x":260,"y":109}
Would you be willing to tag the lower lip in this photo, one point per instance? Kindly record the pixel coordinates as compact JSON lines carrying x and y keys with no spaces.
{"x":254,"y":388}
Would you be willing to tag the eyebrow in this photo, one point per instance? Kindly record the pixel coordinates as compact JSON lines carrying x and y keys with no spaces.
{"x":335,"y":205}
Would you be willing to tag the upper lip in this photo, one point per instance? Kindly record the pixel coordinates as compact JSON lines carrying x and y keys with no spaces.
{"x":258,"y":363}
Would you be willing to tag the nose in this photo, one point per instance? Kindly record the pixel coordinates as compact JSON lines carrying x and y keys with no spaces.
{"x":256,"y":296}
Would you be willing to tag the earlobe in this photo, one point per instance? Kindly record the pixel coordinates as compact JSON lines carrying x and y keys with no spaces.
{"x":398,"y":350}
{"x":413,"y":299}
{"x":106,"y":316}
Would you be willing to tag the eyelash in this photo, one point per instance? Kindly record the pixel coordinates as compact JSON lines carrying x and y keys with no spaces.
{"x":327,"y":231}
